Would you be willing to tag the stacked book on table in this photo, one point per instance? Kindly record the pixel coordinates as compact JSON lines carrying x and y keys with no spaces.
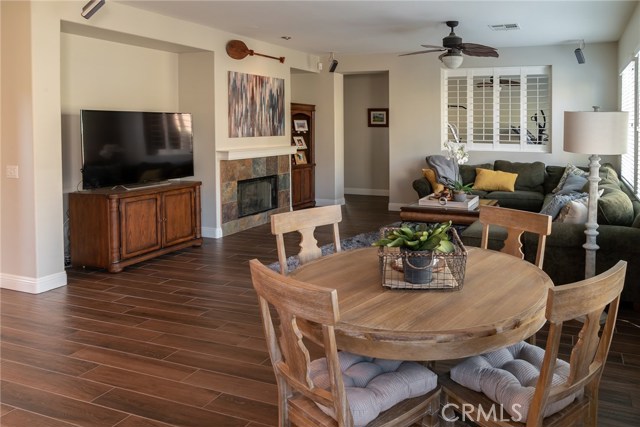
{"x":470,"y":204}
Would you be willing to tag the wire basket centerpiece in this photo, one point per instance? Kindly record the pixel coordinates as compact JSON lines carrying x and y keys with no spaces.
{"x":437,"y":262}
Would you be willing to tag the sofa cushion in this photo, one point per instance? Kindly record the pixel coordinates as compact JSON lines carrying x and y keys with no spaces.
{"x":524,"y":200}
{"x":472,"y":236}
{"x":494,"y":180}
{"x":569,"y":171}
{"x":468,"y":172}
{"x":552,"y":177}
{"x":530,"y":175}
{"x":430,"y":174}
{"x":615,"y":208}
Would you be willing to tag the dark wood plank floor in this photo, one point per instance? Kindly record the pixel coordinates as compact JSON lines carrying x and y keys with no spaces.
{"x":178,"y":341}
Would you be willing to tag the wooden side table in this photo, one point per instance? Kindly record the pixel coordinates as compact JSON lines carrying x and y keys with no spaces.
{"x":417,"y":213}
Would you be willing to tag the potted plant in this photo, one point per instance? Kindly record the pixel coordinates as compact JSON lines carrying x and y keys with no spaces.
{"x":457,"y":151}
{"x":459,"y":190}
{"x":417,"y":244}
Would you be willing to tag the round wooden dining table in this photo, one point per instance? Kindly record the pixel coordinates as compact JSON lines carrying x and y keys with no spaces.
{"x":501,"y":302}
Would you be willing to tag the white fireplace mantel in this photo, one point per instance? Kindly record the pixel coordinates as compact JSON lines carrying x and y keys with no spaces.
{"x":255,"y":152}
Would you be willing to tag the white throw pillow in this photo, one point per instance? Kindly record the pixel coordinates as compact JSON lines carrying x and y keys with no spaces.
{"x":574,"y":212}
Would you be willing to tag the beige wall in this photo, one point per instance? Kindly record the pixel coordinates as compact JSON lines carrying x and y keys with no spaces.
{"x":366,"y":149}
{"x":324,"y":90}
{"x":32,"y":249}
{"x":629,"y":44}
{"x":415,"y":99}
{"x":103,"y":75}
{"x":32,"y":71}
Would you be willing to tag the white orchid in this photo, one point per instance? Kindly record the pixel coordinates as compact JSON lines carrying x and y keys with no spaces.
{"x":457,"y":151}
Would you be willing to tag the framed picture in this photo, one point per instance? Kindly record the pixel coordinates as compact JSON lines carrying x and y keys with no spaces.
{"x":299,"y":141}
{"x":378,"y":117}
{"x":300,"y":158}
{"x":300,"y":125}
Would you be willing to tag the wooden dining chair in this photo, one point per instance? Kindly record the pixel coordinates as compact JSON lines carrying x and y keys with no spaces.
{"x":532,"y":386}
{"x":305,"y":222}
{"x":341,"y":389}
{"x":516,"y":222}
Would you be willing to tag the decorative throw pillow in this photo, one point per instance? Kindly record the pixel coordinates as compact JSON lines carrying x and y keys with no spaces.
{"x":489,"y":180}
{"x":615,"y":208}
{"x":569,"y":170}
{"x":574,"y":212}
{"x":573,"y":183}
{"x":558,"y":201}
{"x":430,"y":174}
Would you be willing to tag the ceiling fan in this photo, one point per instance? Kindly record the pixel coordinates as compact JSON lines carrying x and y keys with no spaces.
{"x":453,"y":49}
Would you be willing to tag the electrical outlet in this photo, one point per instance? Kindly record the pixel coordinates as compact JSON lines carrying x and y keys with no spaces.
{"x":12,"y":171}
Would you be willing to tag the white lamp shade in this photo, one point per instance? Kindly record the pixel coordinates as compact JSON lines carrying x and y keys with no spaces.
{"x":452,"y":61}
{"x":594,"y":132}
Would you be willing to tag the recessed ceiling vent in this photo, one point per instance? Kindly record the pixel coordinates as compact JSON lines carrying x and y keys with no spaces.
{"x":505,"y":27}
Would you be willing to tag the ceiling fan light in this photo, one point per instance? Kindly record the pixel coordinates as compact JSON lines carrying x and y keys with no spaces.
{"x":452,"y":61}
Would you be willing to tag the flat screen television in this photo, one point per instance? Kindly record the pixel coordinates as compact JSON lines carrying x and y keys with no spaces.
{"x":121,"y":148}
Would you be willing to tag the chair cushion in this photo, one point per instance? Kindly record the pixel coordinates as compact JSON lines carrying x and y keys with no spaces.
{"x":374,"y":385}
{"x":508,"y":376}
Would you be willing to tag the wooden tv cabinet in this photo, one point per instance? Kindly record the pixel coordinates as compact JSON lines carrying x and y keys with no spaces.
{"x":114,"y":228}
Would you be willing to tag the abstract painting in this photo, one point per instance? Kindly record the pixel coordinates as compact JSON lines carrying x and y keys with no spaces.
{"x":256,"y":105}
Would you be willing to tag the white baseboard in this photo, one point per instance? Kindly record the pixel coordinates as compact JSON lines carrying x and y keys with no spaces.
{"x":211,"y":232}
{"x":33,"y":285}
{"x":366,"y":191}
{"x":328,"y":202}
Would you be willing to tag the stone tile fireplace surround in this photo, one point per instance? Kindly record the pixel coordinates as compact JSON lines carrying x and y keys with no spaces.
{"x":232,"y":171}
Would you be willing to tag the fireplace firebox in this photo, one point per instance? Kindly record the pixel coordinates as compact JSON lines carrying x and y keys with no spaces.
{"x":257,"y":195}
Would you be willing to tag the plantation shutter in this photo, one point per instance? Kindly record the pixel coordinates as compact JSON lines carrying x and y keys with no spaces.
{"x":629,"y":89}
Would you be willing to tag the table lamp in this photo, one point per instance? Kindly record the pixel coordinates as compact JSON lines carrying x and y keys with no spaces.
{"x":591,"y":132}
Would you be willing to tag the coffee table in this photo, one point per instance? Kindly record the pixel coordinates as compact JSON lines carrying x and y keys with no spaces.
{"x":417,"y":213}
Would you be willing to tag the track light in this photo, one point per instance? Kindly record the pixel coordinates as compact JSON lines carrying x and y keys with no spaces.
{"x":579,"y":53}
{"x":333,"y":64}
{"x":90,"y":8}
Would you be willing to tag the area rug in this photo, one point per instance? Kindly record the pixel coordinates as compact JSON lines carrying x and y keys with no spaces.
{"x":357,"y":241}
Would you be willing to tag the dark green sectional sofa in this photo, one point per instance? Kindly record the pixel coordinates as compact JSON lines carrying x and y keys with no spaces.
{"x":618,"y":219}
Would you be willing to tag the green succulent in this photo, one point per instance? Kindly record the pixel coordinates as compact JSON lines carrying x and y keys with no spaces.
{"x":421,"y":237}
{"x":459,"y":187}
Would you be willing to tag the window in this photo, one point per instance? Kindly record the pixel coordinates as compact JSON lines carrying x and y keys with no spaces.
{"x":503,"y":109}
{"x":630,"y":102}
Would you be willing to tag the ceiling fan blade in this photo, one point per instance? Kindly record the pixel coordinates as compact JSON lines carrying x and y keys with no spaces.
{"x":422,"y":51}
{"x":473,"y":49}
{"x":431,"y":46}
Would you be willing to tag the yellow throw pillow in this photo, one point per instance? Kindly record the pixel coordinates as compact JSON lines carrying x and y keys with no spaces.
{"x":430,"y":174}
{"x":489,"y":180}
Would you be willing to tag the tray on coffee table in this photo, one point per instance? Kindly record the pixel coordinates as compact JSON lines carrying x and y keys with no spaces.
{"x":417,"y":213}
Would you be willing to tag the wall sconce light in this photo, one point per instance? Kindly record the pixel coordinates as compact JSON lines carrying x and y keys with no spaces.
{"x":90,"y":8}
{"x":579,"y":53}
